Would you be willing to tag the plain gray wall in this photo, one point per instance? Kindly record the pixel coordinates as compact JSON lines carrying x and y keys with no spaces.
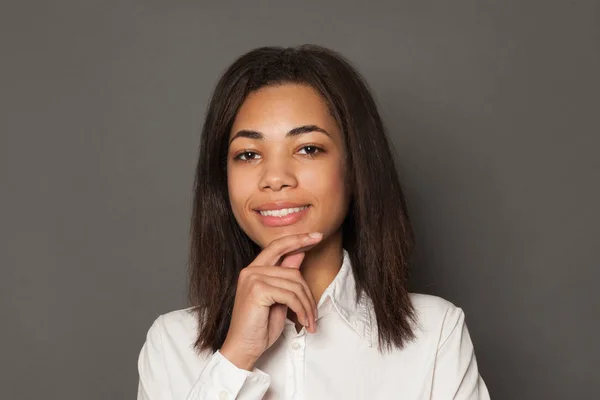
{"x":492,"y":107}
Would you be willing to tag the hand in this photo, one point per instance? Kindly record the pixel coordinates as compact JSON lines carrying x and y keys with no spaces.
{"x":264,"y":293}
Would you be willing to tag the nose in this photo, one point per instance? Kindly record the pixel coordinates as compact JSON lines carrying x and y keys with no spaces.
{"x":277,"y":174}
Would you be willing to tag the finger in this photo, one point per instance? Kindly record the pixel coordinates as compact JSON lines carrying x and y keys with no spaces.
{"x":274,"y":294}
{"x":299,"y":290}
{"x":271,"y":254}
{"x":289,"y":274}
{"x":293,"y":260}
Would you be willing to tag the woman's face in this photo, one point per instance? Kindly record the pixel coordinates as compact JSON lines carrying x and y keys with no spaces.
{"x":285,"y":165}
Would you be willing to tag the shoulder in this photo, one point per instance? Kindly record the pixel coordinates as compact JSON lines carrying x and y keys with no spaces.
{"x":430,"y":303}
{"x":184,"y":318}
{"x":436,"y":315}
{"x":174,"y":328}
{"x":168,"y":363}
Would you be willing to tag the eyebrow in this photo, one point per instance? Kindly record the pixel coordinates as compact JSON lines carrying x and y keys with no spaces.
{"x":294,"y":132}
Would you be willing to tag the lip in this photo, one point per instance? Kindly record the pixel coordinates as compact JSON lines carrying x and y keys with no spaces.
{"x":278,"y":205}
{"x":290,"y":219}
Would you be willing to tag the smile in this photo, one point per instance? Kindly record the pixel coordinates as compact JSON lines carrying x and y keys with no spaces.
{"x":282,"y":216}
{"x":282,"y":212}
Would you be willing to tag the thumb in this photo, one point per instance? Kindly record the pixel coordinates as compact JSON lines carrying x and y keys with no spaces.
{"x":293,"y":260}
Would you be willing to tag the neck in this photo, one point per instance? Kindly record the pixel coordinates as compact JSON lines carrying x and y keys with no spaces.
{"x":321,"y":264}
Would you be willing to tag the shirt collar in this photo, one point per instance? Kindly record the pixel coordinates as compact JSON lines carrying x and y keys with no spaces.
{"x":342,"y":294}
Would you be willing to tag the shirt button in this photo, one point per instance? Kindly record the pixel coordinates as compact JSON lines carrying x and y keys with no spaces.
{"x":296,"y":345}
{"x":223,"y":395}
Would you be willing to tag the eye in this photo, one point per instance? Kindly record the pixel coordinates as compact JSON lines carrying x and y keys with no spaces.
{"x":311,"y":150}
{"x":246,"y":156}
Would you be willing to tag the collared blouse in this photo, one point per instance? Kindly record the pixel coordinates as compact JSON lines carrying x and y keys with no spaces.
{"x":340,"y":361}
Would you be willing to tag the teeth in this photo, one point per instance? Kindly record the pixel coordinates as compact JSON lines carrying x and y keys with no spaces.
{"x":281,"y":213}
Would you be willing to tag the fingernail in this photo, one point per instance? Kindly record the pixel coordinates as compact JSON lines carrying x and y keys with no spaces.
{"x":315,"y":235}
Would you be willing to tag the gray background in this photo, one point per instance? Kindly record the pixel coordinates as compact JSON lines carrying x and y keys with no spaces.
{"x":492,"y":107}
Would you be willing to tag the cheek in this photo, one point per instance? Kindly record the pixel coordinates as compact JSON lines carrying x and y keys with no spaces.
{"x":240,"y":189}
{"x":326,"y":184}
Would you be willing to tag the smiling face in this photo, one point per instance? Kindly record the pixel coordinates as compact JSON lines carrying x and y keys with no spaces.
{"x":286,"y":159}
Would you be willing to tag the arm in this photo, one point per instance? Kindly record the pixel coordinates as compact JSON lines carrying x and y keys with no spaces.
{"x":219,"y":379}
{"x":456,"y":375}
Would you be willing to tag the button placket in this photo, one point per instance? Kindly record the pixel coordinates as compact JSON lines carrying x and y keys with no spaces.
{"x":297,"y":353}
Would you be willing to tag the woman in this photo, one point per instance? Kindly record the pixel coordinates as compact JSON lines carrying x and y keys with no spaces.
{"x":299,"y":253}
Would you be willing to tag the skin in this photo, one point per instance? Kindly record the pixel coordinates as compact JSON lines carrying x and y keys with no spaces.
{"x":282,"y":168}
{"x":293,"y":270}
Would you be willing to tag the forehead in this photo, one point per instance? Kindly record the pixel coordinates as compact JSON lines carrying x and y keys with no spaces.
{"x":277,"y":109}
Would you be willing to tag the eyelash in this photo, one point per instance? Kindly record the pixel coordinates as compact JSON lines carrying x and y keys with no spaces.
{"x":318,"y":151}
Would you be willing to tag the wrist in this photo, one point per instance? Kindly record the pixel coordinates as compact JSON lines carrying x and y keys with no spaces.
{"x":239,"y":360}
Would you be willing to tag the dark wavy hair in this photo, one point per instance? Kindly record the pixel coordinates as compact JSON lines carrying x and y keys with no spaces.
{"x":376,"y":231}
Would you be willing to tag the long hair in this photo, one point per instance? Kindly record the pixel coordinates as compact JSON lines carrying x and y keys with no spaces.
{"x":376,"y":231}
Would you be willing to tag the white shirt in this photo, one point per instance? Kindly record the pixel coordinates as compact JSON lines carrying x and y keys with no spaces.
{"x":340,"y":361}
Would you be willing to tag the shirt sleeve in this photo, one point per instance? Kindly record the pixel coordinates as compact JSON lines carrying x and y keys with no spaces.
{"x":456,"y":375}
{"x":220,"y":379}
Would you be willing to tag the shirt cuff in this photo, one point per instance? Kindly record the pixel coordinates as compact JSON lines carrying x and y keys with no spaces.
{"x":222,"y":380}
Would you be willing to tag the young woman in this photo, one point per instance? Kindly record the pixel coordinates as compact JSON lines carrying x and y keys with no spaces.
{"x":300,"y":243}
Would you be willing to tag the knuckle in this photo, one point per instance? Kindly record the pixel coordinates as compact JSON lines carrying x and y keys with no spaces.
{"x":257,"y":286}
{"x":290,"y":295}
{"x":297,"y":299}
{"x":244,"y":273}
{"x":249,"y":272}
